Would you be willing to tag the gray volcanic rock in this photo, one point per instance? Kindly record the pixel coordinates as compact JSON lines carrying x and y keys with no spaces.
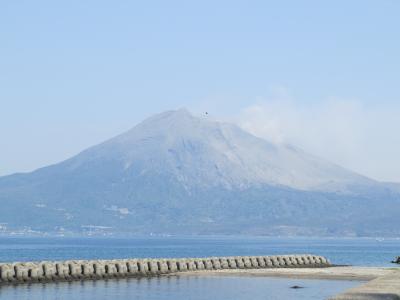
{"x":176,"y":173}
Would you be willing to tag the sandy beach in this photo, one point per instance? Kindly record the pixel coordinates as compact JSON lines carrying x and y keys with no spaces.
{"x":344,"y":273}
{"x":380,"y":283}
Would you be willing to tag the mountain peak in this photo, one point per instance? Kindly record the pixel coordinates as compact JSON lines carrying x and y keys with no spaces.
{"x":199,"y":152}
{"x":175,"y":170}
{"x":177,"y":114}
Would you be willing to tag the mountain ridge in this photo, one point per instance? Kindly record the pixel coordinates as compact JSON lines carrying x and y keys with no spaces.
{"x":167,"y":121}
{"x":176,"y":173}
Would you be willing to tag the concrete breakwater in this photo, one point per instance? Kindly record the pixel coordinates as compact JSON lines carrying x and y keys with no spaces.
{"x":47,"y":271}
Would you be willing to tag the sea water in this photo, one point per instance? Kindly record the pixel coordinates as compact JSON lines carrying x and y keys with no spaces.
{"x":363,"y":252}
{"x":180,"y":288}
{"x":358,"y":251}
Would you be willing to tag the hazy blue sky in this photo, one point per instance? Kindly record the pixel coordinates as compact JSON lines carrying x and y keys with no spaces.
{"x":324,"y":75}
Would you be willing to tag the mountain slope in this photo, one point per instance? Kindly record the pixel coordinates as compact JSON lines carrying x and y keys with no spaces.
{"x":175,"y":173}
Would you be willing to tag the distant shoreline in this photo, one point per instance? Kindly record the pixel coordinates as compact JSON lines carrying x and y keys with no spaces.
{"x":227,"y":236}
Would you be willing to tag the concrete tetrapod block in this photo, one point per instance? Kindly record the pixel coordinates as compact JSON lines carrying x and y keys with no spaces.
{"x":99,"y":269}
{"x":133,"y":267}
{"x":307,"y":261}
{"x":208,"y":265}
{"x":325,"y":261}
{"x":300,"y":262}
{"x":110,"y":269}
{"x":114,"y":264}
{"x":247,"y":262}
{"x":172,"y":265}
{"x":268,"y":262}
{"x":275,"y":262}
{"x":261,"y":262}
{"x":296,"y":261}
{"x":313,"y":260}
{"x":88,"y":269}
{"x":281,"y":261}
{"x":62,"y":269}
{"x":199,"y":264}
{"x":182,"y":265}
{"x":102,"y":269}
{"x":163,"y":266}
{"x":288,"y":261}
{"x":75,"y":269}
{"x":37,"y":272}
{"x":1,"y":277}
{"x":153,"y":267}
{"x":319,"y":261}
{"x":21,"y":272}
{"x":224,"y":263}
{"x":232,"y":263}
{"x":122,"y":267}
{"x":7,"y":272}
{"x":239,"y":262}
{"x":49,"y":270}
{"x":254,"y":262}
{"x":143,"y":267}
{"x":16,"y":272}
{"x":292,"y":261}
{"x":216,"y":263}
{"x":284,"y":259}
{"x":191,"y":265}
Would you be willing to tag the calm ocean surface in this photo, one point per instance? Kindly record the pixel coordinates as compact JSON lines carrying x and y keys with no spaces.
{"x":367,"y":252}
